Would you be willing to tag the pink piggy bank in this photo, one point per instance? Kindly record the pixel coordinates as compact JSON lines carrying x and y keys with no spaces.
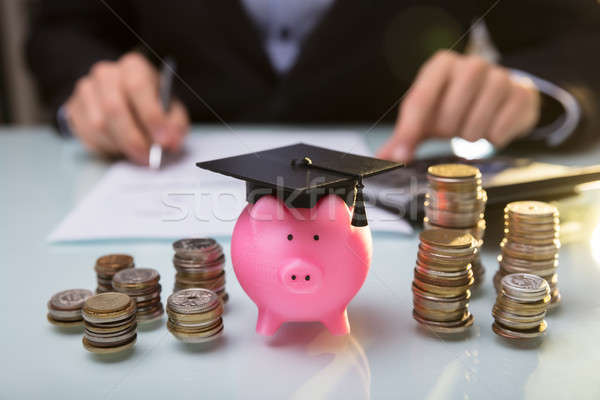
{"x":301,"y":264}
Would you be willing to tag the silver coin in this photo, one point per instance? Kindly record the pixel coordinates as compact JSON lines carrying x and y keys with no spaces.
{"x":524,"y":286}
{"x":196,"y":248}
{"x":198,"y":339}
{"x":192,"y":301}
{"x":179,"y":262}
{"x":69,"y":300}
{"x":110,"y":339}
{"x":194,"y":244}
{"x":94,"y":334}
{"x":65,"y":315}
{"x":135,"y":275}
{"x":147,"y":297}
{"x":194,"y":324}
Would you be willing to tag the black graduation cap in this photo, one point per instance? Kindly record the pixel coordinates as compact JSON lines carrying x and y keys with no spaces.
{"x":301,"y":174}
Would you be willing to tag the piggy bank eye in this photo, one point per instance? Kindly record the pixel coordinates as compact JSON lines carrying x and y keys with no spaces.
{"x":316,"y":237}
{"x":290,"y":236}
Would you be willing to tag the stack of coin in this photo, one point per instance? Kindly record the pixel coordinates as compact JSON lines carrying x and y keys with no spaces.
{"x":107,"y":266}
{"x":456,"y":200}
{"x":195,"y":315}
{"x":531,"y":243}
{"x":200,"y":264}
{"x":110,"y":324}
{"x":141,"y":284}
{"x":521,"y":306}
{"x":442,"y":279}
{"x":64,"y":308}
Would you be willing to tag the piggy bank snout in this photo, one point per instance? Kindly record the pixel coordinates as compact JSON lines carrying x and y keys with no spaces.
{"x":300,"y":276}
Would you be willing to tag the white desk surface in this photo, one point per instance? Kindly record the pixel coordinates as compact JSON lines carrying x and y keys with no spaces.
{"x":386,"y":356}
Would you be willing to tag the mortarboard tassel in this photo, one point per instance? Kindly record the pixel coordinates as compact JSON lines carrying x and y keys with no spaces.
{"x":359,"y":215}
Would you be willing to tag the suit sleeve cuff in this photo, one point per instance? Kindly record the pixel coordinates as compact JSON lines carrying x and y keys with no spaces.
{"x":562,"y":127}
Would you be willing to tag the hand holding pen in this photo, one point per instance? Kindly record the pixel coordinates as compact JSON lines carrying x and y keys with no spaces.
{"x":116,"y":109}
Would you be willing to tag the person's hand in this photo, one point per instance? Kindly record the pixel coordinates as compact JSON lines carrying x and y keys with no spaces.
{"x":116,"y":110}
{"x":465,"y":96}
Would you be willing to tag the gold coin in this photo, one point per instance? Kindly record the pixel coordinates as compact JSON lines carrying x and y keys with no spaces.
{"x":64,"y":324}
{"x":196,"y":338}
{"x":444,"y":281}
{"x":501,"y":330}
{"x":455,"y":171}
{"x":439,"y":316}
{"x":447,"y":238}
{"x":187,"y":332}
{"x":108,"y":350}
{"x":106,"y":303}
{"x":136,"y":278}
{"x":101,"y":329}
{"x":108,"y":317}
{"x":534,"y":209}
{"x":446,"y":327}
{"x":196,"y":318}
{"x":524,"y":309}
{"x":443,"y":291}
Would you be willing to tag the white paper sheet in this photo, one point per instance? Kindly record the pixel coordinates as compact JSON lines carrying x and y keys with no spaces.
{"x":181,"y":200}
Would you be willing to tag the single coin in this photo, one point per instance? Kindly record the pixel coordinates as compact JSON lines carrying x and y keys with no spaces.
{"x":136,"y":277}
{"x":536,"y":209}
{"x":99,"y":328}
{"x":462,"y":274}
{"x":110,"y":338}
{"x":111,"y":263}
{"x":152,"y":295}
{"x":443,"y":291}
{"x":444,"y":281}
{"x":65,"y":315}
{"x":194,"y":244}
{"x":69,"y":300}
{"x":193,"y":301}
{"x":446,"y":238}
{"x":187,"y":332}
{"x":107,"y":317}
{"x":438,"y":315}
{"x":504,"y":331}
{"x":64,"y":324}
{"x":524,"y":284}
{"x":200,"y":263}
{"x":106,"y":303}
{"x":108,"y":350}
{"x":454,"y":171}
{"x":516,"y":324}
{"x":524,"y":309}
{"x":446,"y":327}
{"x":197,"y":338}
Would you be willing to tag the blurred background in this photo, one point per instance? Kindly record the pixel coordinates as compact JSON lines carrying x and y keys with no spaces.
{"x":19,"y":103}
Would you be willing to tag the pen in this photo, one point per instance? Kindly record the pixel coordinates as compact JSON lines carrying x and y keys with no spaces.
{"x":164,"y":88}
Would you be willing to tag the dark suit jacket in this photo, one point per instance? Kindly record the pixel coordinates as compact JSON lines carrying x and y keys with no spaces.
{"x":353,"y":67}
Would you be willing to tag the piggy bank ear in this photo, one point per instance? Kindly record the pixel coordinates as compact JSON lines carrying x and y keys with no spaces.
{"x":268,"y":208}
{"x":333,"y":208}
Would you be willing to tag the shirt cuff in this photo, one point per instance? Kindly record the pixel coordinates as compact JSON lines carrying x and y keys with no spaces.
{"x":62,"y":122}
{"x":559,"y":130}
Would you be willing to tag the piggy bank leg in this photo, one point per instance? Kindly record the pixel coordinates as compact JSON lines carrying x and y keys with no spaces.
{"x":337,"y":323}
{"x":267,"y":323}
